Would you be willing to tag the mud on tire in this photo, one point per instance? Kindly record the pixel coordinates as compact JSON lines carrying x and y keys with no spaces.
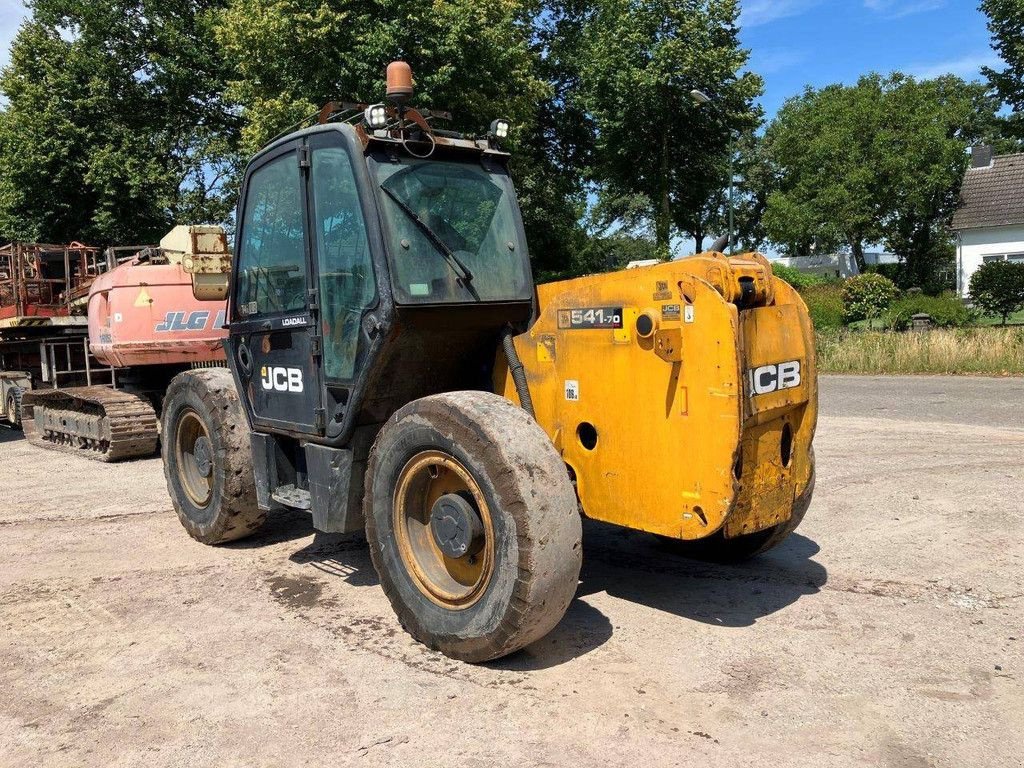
{"x":531,"y":508}
{"x":204,"y":403}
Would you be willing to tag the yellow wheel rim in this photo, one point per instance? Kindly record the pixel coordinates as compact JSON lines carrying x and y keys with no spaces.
{"x":451,"y":582}
{"x":193,"y":452}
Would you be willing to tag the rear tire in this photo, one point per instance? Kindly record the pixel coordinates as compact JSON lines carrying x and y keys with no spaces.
{"x":207,"y":457}
{"x":13,"y":409}
{"x":718,"y":549}
{"x":505,"y":472}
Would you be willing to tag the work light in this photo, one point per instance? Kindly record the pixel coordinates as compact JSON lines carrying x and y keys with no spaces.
{"x":376,"y":116}
{"x":499,"y":129}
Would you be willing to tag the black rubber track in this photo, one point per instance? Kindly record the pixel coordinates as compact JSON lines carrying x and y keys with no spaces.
{"x":232,"y":512}
{"x":131,"y":422}
{"x":538,"y":532}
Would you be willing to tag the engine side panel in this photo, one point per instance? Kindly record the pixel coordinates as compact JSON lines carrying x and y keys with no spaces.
{"x":683,"y":446}
{"x":145,"y":314}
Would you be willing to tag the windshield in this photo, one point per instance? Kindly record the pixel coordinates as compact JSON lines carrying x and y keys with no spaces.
{"x":453,"y":233}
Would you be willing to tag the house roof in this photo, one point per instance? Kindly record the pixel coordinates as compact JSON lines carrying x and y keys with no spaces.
{"x":992,"y":196}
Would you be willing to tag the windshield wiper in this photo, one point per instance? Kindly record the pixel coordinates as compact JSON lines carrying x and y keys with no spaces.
{"x":442,"y":247}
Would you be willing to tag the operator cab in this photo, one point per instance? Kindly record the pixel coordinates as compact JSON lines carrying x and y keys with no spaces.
{"x":378,"y":260}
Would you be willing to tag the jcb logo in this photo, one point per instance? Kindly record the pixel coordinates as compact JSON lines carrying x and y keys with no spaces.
{"x":772,"y":378}
{"x":281,"y":379}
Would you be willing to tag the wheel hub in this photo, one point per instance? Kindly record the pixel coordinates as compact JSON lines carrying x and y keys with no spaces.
{"x":194,"y":457}
{"x":456,"y":526}
{"x":204,"y":456}
{"x":443,"y":529}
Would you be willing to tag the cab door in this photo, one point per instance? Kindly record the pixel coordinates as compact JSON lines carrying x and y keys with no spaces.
{"x":274,"y":344}
{"x":346,"y":279}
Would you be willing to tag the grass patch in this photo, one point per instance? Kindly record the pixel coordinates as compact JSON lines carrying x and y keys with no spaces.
{"x":1014,"y":319}
{"x":979,"y":351}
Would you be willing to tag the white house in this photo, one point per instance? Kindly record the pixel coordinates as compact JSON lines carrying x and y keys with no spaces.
{"x":989,"y":223}
{"x":835,"y":264}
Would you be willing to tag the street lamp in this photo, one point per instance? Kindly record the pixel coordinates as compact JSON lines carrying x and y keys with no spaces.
{"x":701,"y":99}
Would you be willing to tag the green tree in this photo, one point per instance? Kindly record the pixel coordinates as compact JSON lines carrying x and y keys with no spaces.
{"x":554,"y":150}
{"x":43,"y":155}
{"x":998,"y":288}
{"x":659,"y":157}
{"x":113,"y":127}
{"x":470,"y":56}
{"x":1006,"y":24}
{"x":751,"y":194}
{"x":821,"y":157}
{"x":480,"y":59}
{"x":921,"y":158}
{"x":878,"y":162}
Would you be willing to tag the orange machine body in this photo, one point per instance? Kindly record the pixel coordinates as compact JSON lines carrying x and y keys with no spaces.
{"x":145,"y":314}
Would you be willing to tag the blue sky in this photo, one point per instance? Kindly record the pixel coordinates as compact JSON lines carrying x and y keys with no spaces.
{"x":11,"y":14}
{"x":794,"y":43}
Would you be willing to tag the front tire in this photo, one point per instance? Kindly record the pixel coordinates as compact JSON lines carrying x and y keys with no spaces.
{"x":503,"y":572}
{"x":207,"y":457}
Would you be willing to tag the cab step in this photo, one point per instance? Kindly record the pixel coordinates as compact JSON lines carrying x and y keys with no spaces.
{"x":293,"y":497}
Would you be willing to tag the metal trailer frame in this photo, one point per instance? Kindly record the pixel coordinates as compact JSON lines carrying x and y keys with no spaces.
{"x":57,"y":368}
{"x":31,"y":289}
{"x":49,"y":357}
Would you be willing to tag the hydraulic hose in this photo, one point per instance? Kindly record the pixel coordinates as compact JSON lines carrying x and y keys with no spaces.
{"x":515,"y":367}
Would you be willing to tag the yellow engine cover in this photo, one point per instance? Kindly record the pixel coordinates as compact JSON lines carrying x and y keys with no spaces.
{"x":683,"y":396}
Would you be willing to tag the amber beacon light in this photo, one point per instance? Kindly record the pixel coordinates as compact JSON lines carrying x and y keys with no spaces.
{"x":399,"y":82}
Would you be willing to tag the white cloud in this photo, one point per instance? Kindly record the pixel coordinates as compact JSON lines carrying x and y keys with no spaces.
{"x":773,"y":60}
{"x":968,"y":67}
{"x":897,"y":9}
{"x":758,"y":12}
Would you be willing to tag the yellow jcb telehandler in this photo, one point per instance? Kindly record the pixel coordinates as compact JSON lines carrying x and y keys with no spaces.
{"x":393,"y":368}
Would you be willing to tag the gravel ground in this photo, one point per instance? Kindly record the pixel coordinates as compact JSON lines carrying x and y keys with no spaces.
{"x":888,"y":631}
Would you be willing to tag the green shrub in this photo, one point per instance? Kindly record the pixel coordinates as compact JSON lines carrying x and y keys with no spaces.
{"x":825,"y":304}
{"x":941,"y":275}
{"x":895,"y":272}
{"x":998,"y":288}
{"x":946,"y":311}
{"x":795,"y":277}
{"x":867,"y":296}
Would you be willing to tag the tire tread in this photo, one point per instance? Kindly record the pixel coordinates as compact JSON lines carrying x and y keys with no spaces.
{"x":548,"y":527}
{"x":238,"y":514}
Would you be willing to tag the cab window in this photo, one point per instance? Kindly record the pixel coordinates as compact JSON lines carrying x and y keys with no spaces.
{"x":271,"y":255}
{"x":453,"y":232}
{"x":347,"y":286}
